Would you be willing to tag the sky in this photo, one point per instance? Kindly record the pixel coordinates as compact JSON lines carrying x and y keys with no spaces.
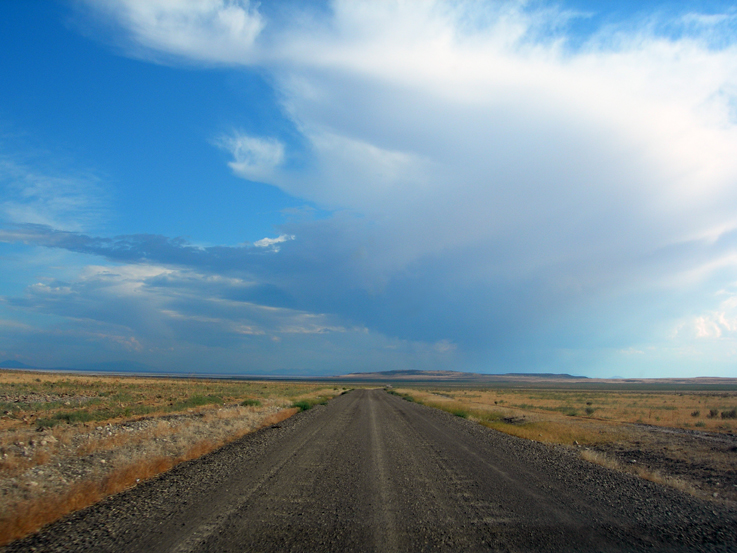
{"x":316,"y":188}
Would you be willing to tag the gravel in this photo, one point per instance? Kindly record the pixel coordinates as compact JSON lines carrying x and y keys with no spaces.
{"x":371,"y":472}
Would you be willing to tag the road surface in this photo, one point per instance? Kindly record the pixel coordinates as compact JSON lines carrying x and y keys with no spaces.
{"x":372,"y":472}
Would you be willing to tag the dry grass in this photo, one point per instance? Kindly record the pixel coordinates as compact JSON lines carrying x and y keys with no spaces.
{"x":676,"y":409}
{"x":28,"y":516}
{"x":607,"y":432}
{"x":544,"y":426}
{"x":642,"y":472}
{"x":562,"y":416}
{"x":116,"y":431}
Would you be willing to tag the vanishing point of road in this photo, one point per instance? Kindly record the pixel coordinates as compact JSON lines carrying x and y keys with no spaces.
{"x":371,"y":472}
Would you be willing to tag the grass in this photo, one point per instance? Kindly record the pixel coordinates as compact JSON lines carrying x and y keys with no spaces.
{"x":250,"y":403}
{"x":605,"y":426}
{"x":708,"y":410}
{"x":643,"y":472}
{"x":115,"y":431}
{"x":305,"y":404}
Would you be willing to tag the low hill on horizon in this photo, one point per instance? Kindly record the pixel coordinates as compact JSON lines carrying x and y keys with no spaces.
{"x":414,"y":375}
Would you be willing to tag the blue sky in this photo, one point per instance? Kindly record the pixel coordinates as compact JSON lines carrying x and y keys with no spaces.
{"x":322,"y":188}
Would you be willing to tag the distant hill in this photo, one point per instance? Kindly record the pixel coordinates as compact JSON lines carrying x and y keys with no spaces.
{"x":431,"y":376}
{"x":119,"y":366}
{"x":10,"y":364}
{"x":111,"y":366}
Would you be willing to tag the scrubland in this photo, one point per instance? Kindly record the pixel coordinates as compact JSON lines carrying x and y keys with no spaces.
{"x":684,"y":439}
{"x":66,"y":441}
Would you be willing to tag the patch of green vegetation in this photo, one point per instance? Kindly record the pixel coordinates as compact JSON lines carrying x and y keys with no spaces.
{"x":250,"y":403}
{"x":197,"y":401}
{"x":405,"y":397}
{"x":305,"y":404}
{"x":68,"y":417}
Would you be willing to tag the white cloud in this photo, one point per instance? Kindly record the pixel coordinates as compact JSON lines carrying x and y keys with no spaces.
{"x":445,"y":346}
{"x":253,"y":158}
{"x":29,"y":194}
{"x":272,"y":243}
{"x":500,"y":177}
{"x":209,"y":31}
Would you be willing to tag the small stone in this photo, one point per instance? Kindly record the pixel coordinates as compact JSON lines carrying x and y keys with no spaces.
{"x":715,"y":494}
{"x":98,"y":428}
{"x":103,"y":461}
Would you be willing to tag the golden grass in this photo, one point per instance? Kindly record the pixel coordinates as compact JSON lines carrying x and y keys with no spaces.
{"x":539,"y":426}
{"x":642,"y":472}
{"x":28,"y":516}
{"x":555,"y":416}
{"x":121,"y":429}
{"x":563,"y":416}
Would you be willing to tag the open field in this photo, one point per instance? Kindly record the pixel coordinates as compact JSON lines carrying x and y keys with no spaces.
{"x":685,"y":439}
{"x":370,"y":472}
{"x":68,"y":440}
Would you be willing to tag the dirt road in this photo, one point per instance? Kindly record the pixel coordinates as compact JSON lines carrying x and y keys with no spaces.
{"x":371,"y":472}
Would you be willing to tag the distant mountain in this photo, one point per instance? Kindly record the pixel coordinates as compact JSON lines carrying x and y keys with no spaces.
{"x":10,"y":364}
{"x":417,"y":375}
{"x":110,"y":366}
{"x":119,"y":366}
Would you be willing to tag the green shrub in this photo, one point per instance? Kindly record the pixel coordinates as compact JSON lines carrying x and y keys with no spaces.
{"x":729,"y":414}
{"x":695,"y":413}
{"x":713,"y":413}
{"x":197,"y":401}
{"x":304,"y":404}
{"x":68,"y":417}
{"x":250,"y":402}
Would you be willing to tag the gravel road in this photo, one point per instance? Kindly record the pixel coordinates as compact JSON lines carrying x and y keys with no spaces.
{"x":371,"y":472}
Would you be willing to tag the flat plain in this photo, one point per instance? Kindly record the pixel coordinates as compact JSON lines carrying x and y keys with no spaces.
{"x":370,"y":471}
{"x":69,"y":440}
{"x":680,"y":437}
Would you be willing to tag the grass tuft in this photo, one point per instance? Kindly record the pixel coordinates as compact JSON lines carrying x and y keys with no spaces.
{"x":305,"y":404}
{"x":250,"y":403}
